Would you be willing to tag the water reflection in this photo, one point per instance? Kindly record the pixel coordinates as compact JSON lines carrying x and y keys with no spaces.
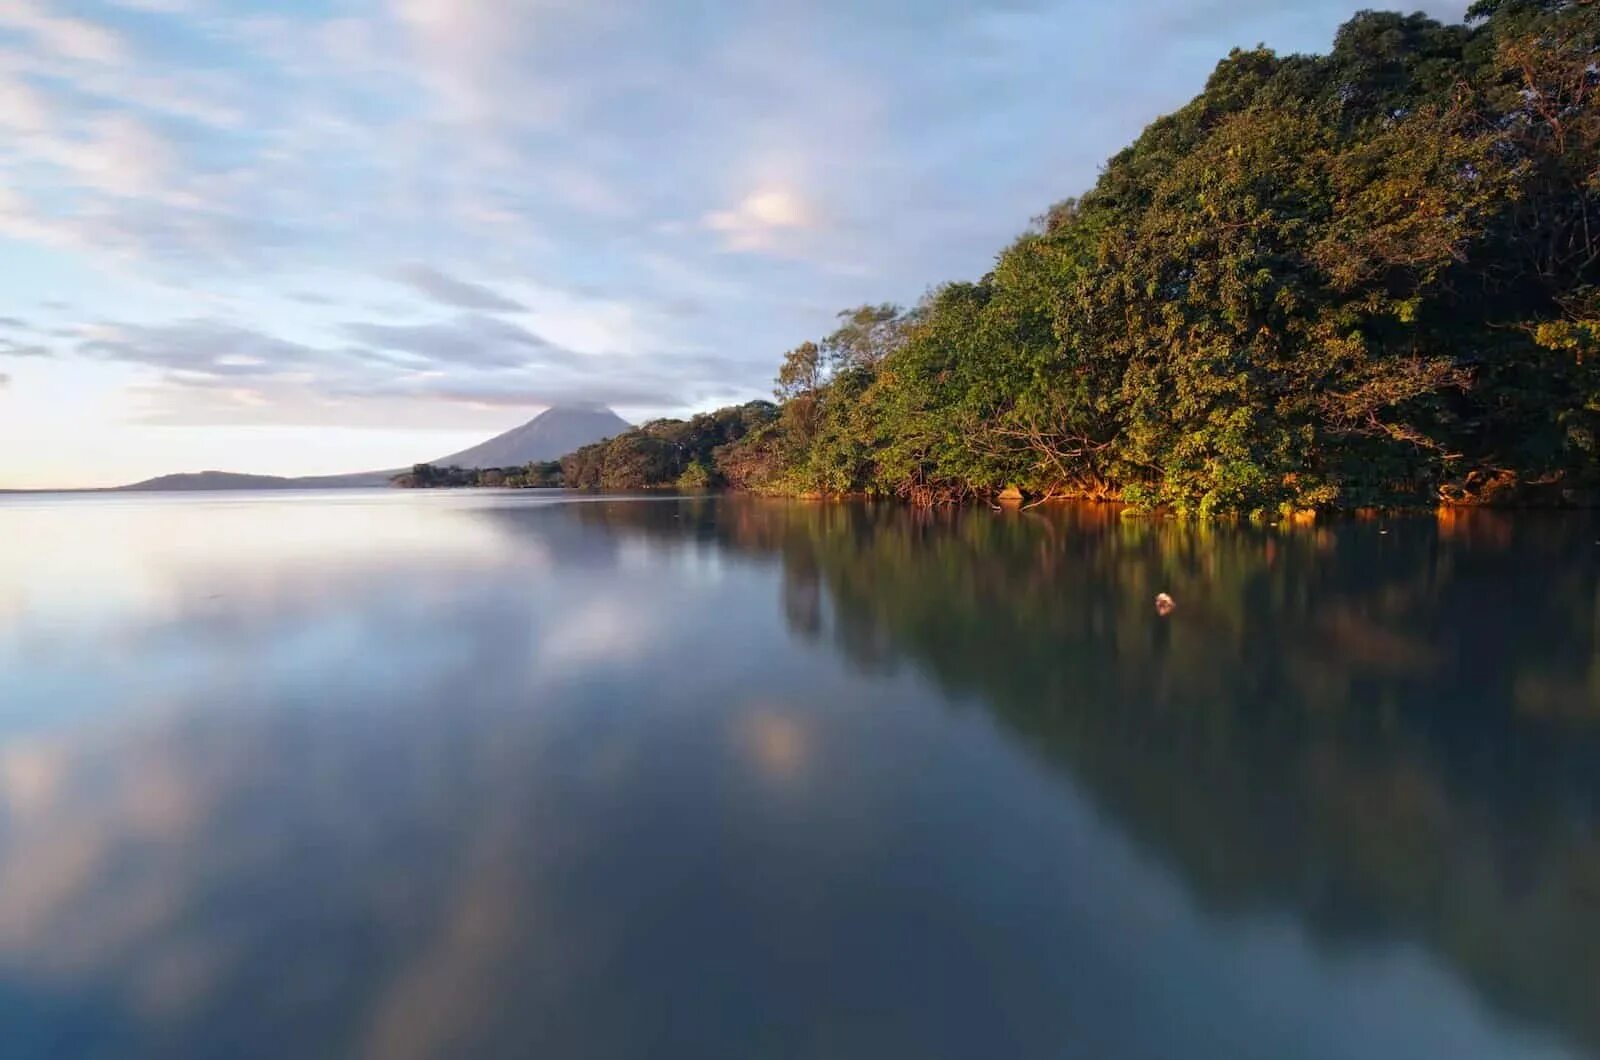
{"x":1388,"y":728}
{"x":482,"y":774}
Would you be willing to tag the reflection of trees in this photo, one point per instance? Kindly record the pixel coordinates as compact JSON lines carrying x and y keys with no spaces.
{"x":1336,"y":722}
{"x":1390,"y":730}
{"x":546,"y":530}
{"x":802,"y":594}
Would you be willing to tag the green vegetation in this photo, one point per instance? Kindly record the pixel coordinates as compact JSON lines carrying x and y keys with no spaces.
{"x":427,"y":476}
{"x":686,"y":454}
{"x":683,"y":453}
{"x":1365,"y":278}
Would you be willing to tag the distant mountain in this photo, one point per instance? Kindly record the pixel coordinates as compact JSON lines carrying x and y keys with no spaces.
{"x":232,"y":480}
{"x":212,"y":480}
{"x":552,"y":434}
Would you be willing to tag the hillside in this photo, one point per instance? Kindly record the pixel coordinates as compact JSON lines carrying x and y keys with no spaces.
{"x":213,"y":480}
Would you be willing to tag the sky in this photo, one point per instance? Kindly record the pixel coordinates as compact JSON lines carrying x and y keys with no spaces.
{"x":321,"y":236}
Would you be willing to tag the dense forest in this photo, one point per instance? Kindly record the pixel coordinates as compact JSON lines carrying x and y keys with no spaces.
{"x":1365,"y":278}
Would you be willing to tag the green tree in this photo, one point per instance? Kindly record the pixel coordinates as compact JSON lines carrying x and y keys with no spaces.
{"x":1369,"y":277}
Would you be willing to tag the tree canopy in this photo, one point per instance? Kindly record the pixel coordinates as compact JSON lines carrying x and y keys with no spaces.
{"x":665,"y":452}
{"x":1369,"y":277}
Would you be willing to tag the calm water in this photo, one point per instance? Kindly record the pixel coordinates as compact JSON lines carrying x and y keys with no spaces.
{"x":480,"y":774}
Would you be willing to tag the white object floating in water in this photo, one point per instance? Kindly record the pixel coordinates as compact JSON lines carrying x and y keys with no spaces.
{"x":1164,"y":604}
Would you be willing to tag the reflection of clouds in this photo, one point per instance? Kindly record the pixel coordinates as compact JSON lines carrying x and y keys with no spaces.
{"x":78,"y":885}
{"x":439,"y":994}
{"x":110,"y":560}
{"x":155,"y":596}
{"x":29,"y":776}
{"x":176,"y":977}
{"x":776,"y":740}
{"x":601,"y":630}
{"x":174,"y":842}
{"x":166,"y":863}
{"x":359,"y":820}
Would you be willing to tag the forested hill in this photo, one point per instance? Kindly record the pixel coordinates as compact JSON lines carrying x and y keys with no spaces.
{"x":1368,"y":277}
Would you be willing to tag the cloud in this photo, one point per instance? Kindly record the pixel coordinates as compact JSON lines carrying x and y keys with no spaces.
{"x":119,"y":154}
{"x":479,"y":57}
{"x":469,"y":339}
{"x":12,"y":348}
{"x":15,"y":323}
{"x":74,"y":38}
{"x":451,"y":291}
{"x":383,"y":359}
{"x":199,"y":350}
{"x":5,"y":381}
{"x":450,"y":372}
{"x":760,"y":218}
{"x":166,"y":7}
{"x":23,"y":108}
{"x":533,"y":390}
{"x":728,"y":181}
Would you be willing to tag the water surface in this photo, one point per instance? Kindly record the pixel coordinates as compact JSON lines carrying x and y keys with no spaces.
{"x":507,"y":774}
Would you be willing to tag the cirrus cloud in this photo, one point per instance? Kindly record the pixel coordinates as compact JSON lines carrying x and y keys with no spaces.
{"x":74,"y":38}
{"x":442,"y":287}
{"x":620,"y":202}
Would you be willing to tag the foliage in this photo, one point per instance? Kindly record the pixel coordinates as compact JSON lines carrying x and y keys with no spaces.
{"x":1365,"y":278}
{"x":665,"y":452}
{"x":1362,"y":278}
{"x":427,"y":476}
{"x":697,"y":476}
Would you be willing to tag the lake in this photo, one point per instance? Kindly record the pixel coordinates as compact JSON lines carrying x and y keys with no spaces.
{"x":447,"y":774}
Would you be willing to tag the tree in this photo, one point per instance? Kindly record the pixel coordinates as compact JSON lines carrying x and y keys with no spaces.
{"x":1369,"y":277}
{"x":801,"y":374}
{"x":866,"y":335}
{"x":800,"y":379}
